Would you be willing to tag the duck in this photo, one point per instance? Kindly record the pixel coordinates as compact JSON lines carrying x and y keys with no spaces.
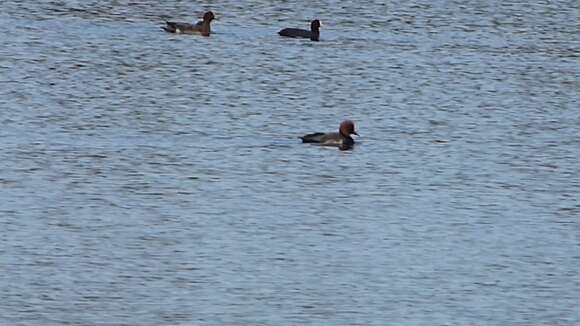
{"x":341,"y":139}
{"x":202,"y":27}
{"x":313,"y":34}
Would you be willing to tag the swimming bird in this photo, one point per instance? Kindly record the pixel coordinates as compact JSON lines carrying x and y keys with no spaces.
{"x":341,"y":139}
{"x":202,"y":27}
{"x":313,"y":33}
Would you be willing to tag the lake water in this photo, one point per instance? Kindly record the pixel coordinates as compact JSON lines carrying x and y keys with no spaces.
{"x":156,"y":179}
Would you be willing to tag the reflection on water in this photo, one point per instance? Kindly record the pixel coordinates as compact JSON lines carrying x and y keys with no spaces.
{"x":149,"y":178}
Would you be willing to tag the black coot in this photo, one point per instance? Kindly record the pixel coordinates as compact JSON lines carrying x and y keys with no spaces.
{"x":313,"y":33}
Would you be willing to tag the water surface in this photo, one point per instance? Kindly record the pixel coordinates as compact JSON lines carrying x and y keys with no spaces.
{"x":157,"y":179}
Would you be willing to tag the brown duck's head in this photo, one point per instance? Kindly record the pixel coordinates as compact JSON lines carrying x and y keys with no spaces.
{"x":208,"y":16}
{"x":347,"y":128}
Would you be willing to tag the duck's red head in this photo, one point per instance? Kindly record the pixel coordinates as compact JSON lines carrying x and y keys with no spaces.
{"x":347,"y":128}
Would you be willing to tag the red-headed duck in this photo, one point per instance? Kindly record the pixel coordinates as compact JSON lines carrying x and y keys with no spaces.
{"x":202,"y":27}
{"x":341,"y":139}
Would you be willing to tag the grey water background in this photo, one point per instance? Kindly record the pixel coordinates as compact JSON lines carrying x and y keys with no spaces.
{"x":157,"y":179}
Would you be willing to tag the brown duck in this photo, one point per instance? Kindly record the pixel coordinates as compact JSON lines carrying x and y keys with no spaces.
{"x":202,"y":27}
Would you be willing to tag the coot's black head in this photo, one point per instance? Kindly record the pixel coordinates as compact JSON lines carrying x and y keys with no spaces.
{"x":208,"y":16}
{"x":315,"y":25}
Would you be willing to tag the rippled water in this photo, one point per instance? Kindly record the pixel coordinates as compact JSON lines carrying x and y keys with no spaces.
{"x":157,"y":179}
